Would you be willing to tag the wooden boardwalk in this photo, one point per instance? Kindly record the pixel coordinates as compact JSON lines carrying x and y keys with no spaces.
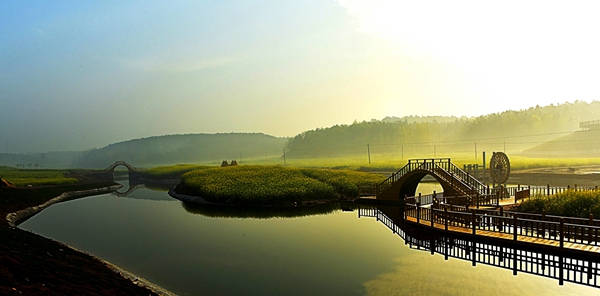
{"x":508,"y":237}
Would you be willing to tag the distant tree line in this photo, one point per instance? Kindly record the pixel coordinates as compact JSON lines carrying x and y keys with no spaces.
{"x":455,"y":133}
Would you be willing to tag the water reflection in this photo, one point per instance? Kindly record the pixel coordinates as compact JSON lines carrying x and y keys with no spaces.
{"x":531,"y":260}
{"x":261,"y":212}
{"x":135,"y":190}
{"x":186,"y":250}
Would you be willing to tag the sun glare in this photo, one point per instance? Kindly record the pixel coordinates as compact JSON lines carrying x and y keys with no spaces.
{"x":517,"y":51}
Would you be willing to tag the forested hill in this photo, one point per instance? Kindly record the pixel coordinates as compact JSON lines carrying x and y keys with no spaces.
{"x":509,"y":130}
{"x":188,"y":148}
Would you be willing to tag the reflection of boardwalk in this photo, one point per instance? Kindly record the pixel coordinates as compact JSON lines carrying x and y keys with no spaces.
{"x":516,"y":257}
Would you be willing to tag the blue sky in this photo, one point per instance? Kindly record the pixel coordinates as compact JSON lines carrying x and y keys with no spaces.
{"x":76,"y":75}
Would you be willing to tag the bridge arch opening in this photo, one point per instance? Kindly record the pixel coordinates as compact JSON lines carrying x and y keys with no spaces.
{"x":130,"y":173}
{"x":428,"y":185}
{"x":424,"y":182}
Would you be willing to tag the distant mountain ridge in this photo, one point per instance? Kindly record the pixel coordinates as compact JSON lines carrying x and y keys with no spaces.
{"x":187,"y":148}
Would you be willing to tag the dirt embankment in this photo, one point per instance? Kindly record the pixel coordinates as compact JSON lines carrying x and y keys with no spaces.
{"x":34,"y":265}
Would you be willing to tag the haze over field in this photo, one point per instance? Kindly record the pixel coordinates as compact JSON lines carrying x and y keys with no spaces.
{"x":81,"y":75}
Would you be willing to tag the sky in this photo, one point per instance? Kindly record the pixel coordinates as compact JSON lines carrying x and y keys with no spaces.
{"x":76,"y":75}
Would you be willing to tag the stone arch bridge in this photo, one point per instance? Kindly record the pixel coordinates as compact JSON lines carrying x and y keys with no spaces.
{"x":133,"y":172}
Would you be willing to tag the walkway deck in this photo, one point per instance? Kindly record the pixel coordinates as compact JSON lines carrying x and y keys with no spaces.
{"x":509,"y":237}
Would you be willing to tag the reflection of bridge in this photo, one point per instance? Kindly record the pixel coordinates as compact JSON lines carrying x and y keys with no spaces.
{"x":129,"y":190}
{"x":540,"y":261}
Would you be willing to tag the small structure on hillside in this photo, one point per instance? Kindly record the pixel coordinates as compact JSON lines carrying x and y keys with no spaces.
{"x":224,"y":163}
{"x":590,"y":125}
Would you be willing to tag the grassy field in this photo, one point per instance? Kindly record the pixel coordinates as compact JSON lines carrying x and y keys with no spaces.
{"x":20,"y":177}
{"x":569,"y":203}
{"x":172,"y":171}
{"x":390,"y":163}
{"x":266,"y":185}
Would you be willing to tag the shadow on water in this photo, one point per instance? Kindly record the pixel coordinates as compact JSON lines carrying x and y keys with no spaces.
{"x":213,"y":211}
{"x":531,"y":260}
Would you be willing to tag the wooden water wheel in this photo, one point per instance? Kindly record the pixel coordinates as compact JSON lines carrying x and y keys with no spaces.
{"x":499,"y":167}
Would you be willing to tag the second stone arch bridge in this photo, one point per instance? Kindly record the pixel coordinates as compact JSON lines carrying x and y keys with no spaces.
{"x":133,"y":172}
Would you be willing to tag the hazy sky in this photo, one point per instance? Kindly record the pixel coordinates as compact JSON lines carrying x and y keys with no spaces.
{"x":76,"y":75}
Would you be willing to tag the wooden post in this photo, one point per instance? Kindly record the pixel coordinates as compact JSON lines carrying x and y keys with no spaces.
{"x":405,"y":214}
{"x":515,"y":227}
{"x":477,"y":197}
{"x":446,"y":218}
{"x":432,"y":246}
{"x":544,"y":224}
{"x":418,"y":212}
{"x":590,"y":229}
{"x":501,"y":220}
{"x":446,"y":249}
{"x":548,"y":191}
{"x":562,"y":232}
{"x":431,"y":216}
{"x":474,"y":219}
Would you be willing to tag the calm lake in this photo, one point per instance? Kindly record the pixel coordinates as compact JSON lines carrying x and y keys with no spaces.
{"x":192,"y":250}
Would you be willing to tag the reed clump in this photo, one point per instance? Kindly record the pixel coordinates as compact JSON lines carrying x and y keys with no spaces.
{"x":570,"y":203}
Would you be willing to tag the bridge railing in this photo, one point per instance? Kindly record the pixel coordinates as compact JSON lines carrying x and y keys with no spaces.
{"x":442,"y":167}
{"x":468,"y":178}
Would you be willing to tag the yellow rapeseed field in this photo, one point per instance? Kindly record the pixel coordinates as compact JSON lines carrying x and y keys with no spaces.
{"x":263,"y":185}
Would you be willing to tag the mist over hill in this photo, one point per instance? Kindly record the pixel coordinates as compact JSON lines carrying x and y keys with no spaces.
{"x":536,"y":131}
{"x":435,"y":135}
{"x":187,"y":148}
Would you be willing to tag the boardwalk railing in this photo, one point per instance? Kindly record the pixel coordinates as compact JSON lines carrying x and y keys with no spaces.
{"x":519,"y":225}
{"x":437,"y":199}
{"x":562,"y":268}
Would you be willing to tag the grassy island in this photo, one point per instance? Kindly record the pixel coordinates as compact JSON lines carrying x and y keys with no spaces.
{"x":273,"y":185}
